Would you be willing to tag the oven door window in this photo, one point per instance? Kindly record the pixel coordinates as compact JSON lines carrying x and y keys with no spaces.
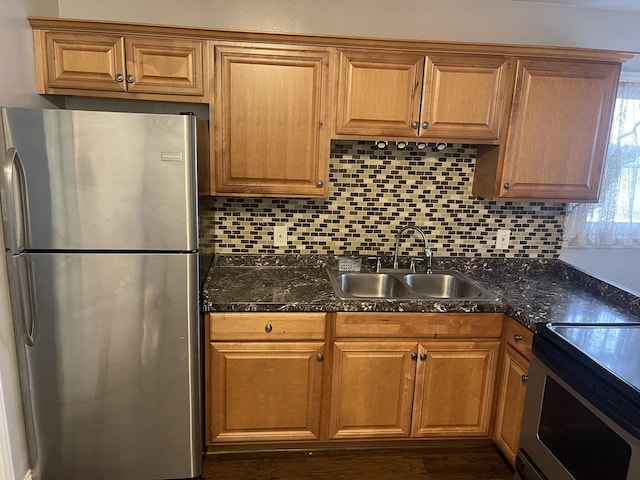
{"x":582,"y":442}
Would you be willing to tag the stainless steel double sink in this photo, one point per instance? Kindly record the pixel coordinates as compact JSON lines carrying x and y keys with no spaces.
{"x":441,"y":284}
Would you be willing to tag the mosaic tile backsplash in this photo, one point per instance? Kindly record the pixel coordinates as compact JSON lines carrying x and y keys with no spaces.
{"x":372,"y":193}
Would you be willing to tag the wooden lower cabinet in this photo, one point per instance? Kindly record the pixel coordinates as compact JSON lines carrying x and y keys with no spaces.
{"x":265,"y":391}
{"x":454,"y":389}
{"x":513,"y":378}
{"x":264,"y":375}
{"x":372,"y":389}
{"x":512,"y":383}
{"x":268,"y":380}
{"x":390,"y":388}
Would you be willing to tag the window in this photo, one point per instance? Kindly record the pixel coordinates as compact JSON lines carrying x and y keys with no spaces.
{"x":615,"y":219}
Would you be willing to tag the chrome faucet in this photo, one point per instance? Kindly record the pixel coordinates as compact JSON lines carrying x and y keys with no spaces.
{"x":427,"y":252}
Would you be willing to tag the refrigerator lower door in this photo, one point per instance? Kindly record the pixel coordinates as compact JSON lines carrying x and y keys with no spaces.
{"x":112,"y":380}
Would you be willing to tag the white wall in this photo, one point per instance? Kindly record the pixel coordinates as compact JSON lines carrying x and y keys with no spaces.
{"x":618,"y":266}
{"x":17,"y":88}
{"x":494,"y":21}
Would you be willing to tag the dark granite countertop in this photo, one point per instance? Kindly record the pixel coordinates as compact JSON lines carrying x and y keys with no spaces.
{"x":530,"y":290}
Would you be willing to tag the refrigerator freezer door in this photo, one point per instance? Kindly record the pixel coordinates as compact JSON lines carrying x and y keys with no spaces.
{"x":113,"y":374}
{"x":103,"y":180}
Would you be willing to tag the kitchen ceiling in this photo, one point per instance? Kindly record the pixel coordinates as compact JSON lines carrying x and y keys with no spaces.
{"x":633,"y":5}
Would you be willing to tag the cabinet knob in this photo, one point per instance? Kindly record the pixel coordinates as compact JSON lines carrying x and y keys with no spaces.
{"x":525,"y":378}
{"x":319,"y":357}
{"x":268,"y":327}
{"x":129,"y":78}
{"x":426,"y":125}
{"x":517,"y":338}
{"x":423,"y":356}
{"x":414,"y":125}
{"x":507,"y":186}
{"x":119,"y":78}
{"x":320,"y":184}
{"x":414,"y":356}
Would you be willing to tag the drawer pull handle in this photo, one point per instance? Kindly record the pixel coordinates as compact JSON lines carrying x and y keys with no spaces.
{"x":268,"y":328}
{"x":517,"y":338}
{"x":319,"y":357}
{"x":525,"y":378}
{"x":414,"y":356}
{"x":423,"y":356}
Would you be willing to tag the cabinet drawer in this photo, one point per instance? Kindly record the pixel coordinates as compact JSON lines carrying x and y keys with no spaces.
{"x":519,"y":337}
{"x":421,"y":325}
{"x":267,"y":326}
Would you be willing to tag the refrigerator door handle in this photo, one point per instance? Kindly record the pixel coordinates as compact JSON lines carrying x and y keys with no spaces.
{"x":23,"y":290}
{"x":32,"y":316}
{"x":14,"y":201}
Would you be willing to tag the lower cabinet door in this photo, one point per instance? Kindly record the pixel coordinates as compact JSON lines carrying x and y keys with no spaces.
{"x":454,"y":388}
{"x":513,"y":387}
{"x":267,"y":391}
{"x":372,"y":389}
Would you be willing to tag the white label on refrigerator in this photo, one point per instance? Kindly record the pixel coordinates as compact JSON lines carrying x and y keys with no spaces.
{"x":171,"y":156}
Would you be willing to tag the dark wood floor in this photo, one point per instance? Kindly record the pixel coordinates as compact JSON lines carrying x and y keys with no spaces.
{"x":429,"y":463}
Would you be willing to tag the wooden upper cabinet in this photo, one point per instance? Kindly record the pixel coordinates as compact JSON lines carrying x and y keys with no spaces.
{"x":81,"y":63}
{"x":464,"y":97}
{"x":379,"y":93}
{"x":447,"y":97}
{"x":557,"y":135}
{"x":159,"y":65}
{"x":271,"y":115}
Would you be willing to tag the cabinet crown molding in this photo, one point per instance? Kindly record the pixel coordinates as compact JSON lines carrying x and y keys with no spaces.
{"x":97,"y":26}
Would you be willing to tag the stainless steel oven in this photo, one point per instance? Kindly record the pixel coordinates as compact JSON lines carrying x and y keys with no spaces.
{"x":582,"y":410}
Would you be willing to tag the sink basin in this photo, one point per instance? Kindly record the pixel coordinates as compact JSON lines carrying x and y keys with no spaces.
{"x":443,"y":284}
{"x":371,"y":285}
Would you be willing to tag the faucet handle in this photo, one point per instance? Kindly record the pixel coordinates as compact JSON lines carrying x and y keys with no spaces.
{"x":428,"y":256}
{"x":378,"y":262}
{"x":414,"y":261}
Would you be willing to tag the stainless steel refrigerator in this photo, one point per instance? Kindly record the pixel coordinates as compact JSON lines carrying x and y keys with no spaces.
{"x":100,"y":222}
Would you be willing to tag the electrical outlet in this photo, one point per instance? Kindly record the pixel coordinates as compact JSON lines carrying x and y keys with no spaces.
{"x":502,"y":239}
{"x":280,"y":236}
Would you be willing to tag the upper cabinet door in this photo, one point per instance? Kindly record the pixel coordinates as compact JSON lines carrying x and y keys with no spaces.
{"x":271,"y":115}
{"x":444,"y":97}
{"x":379,"y":93}
{"x":85,"y":61}
{"x":464,"y":97}
{"x":559,"y":130}
{"x":121,"y":66}
{"x":158,"y":65}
